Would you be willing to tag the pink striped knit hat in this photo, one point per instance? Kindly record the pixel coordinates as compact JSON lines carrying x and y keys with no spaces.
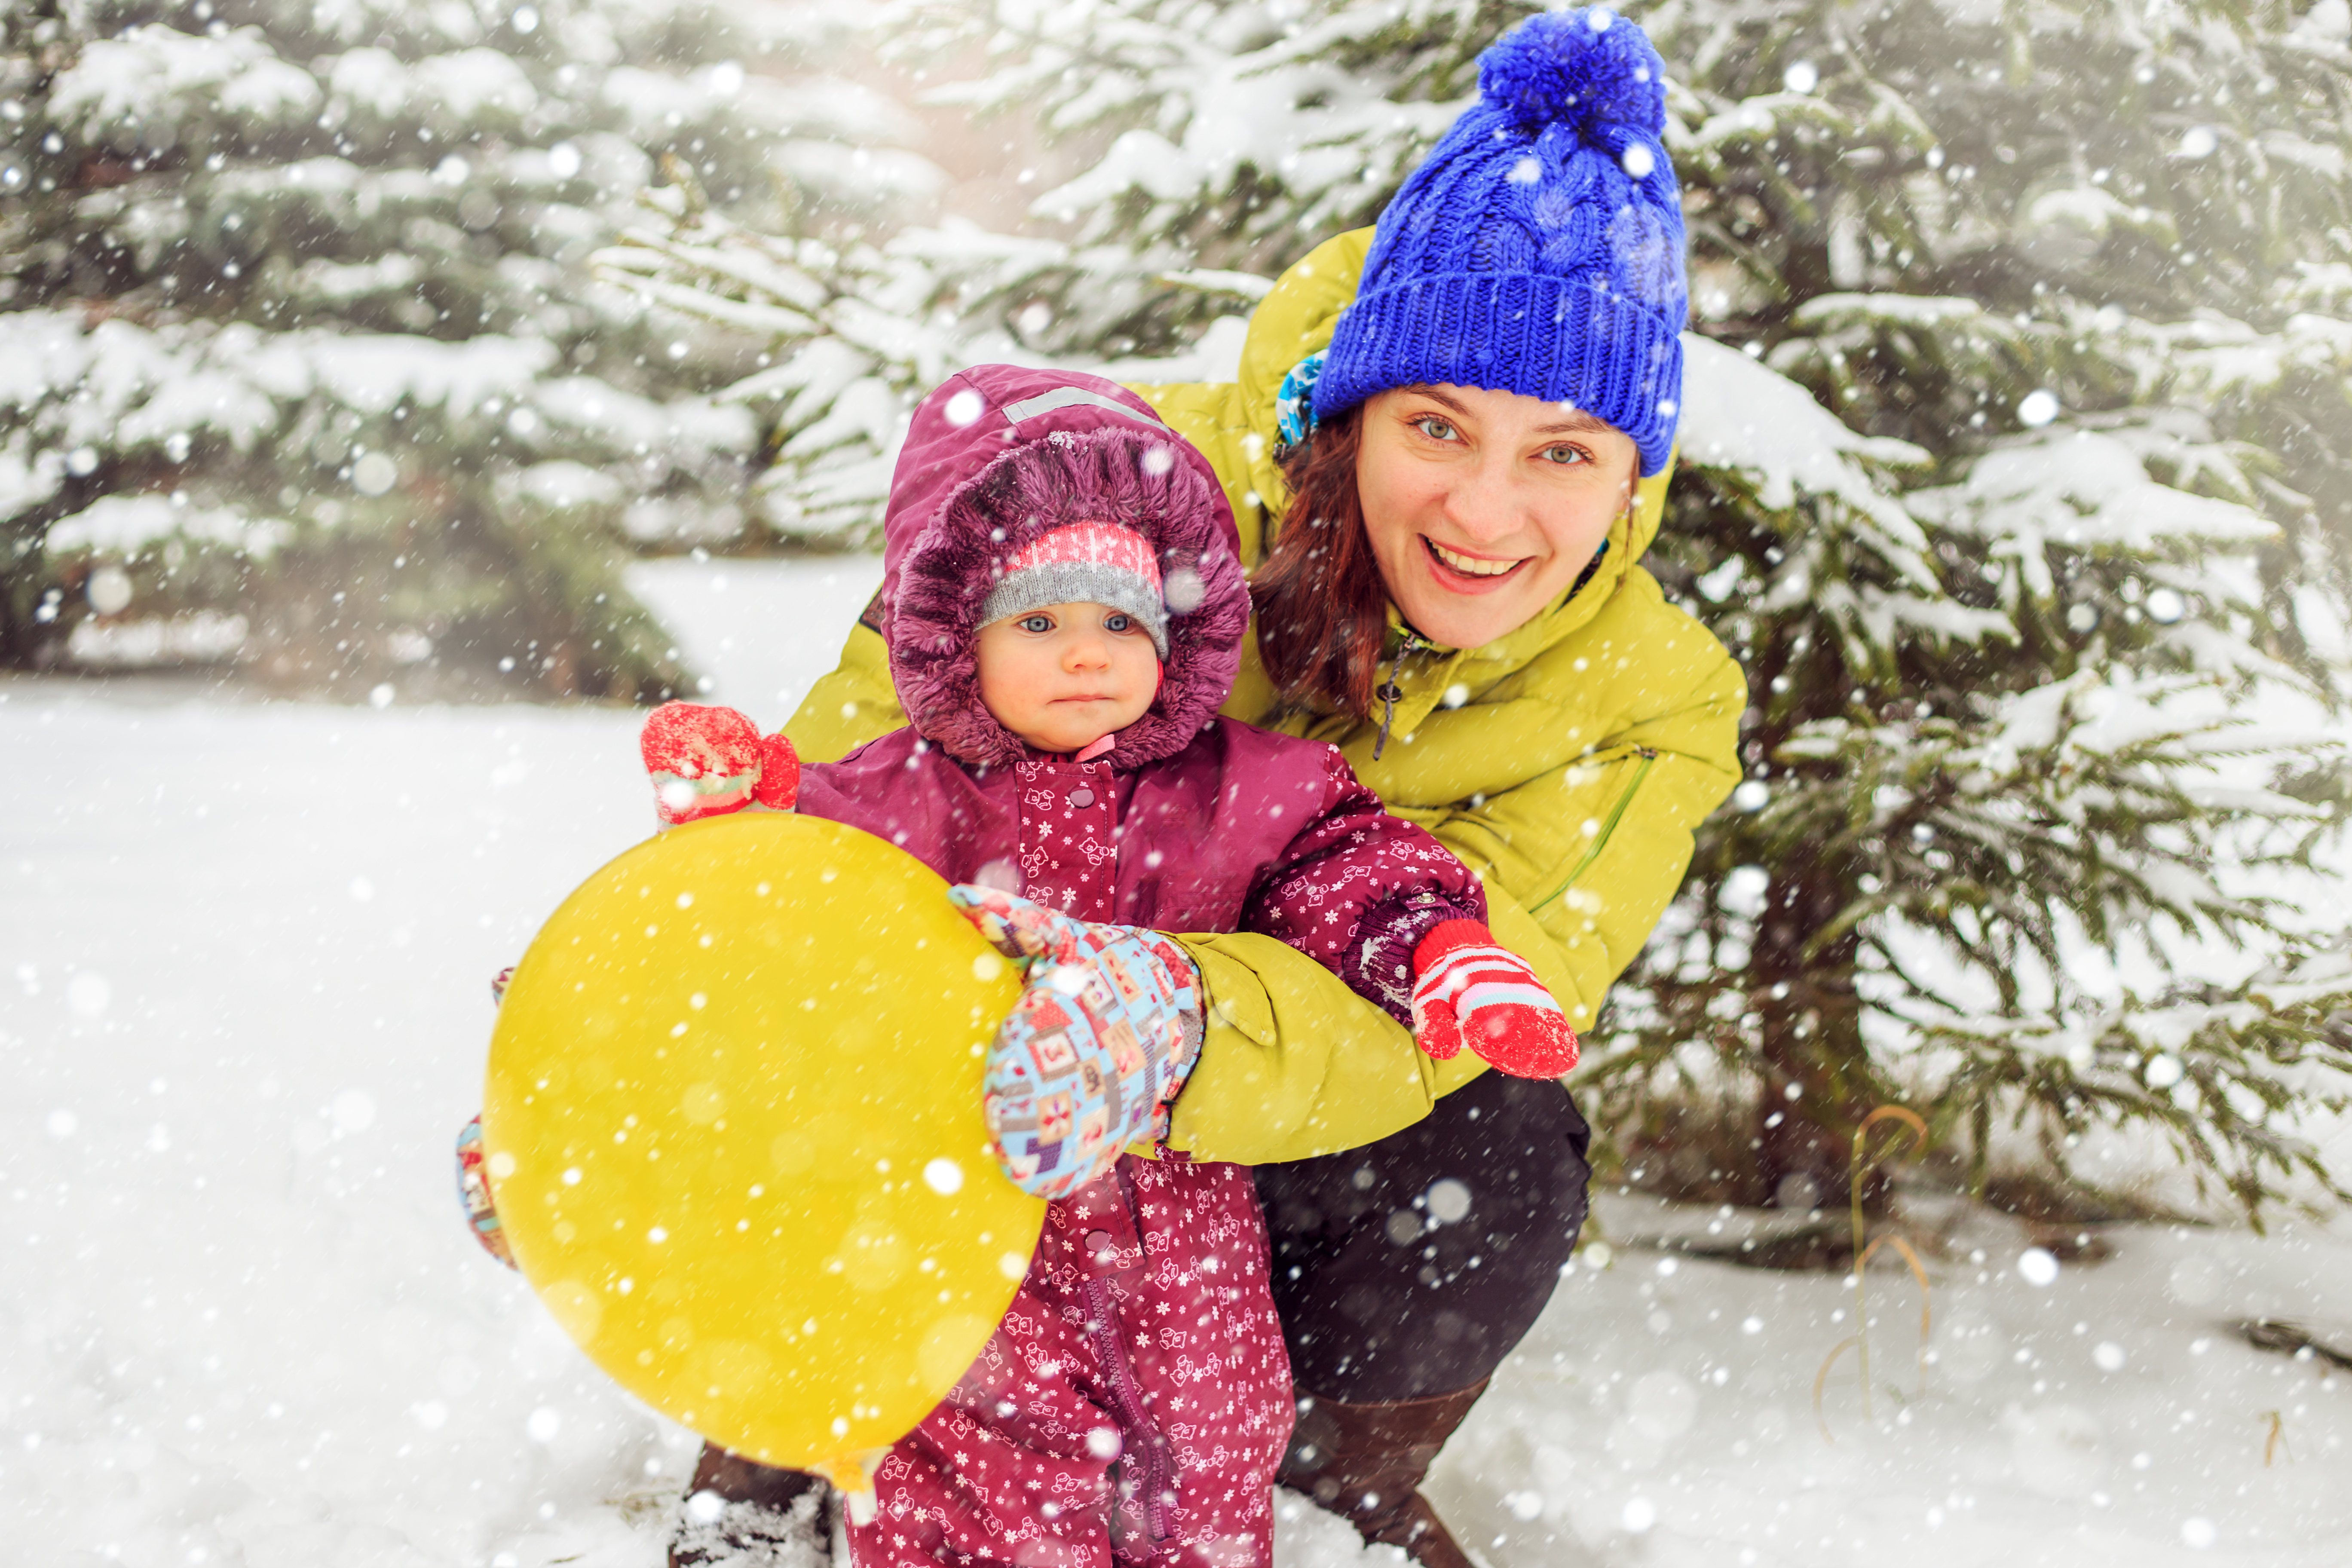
{"x":1083,"y":563}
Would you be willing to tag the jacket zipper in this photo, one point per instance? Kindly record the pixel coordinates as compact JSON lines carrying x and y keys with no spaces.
{"x":1157,"y":1481}
{"x":1389,"y":691}
{"x":1608,"y":825}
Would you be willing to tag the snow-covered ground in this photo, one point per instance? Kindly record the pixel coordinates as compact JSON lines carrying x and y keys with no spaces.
{"x":246,"y":948}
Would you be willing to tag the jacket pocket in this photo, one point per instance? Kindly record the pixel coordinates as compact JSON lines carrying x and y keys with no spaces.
{"x":1649,"y":759}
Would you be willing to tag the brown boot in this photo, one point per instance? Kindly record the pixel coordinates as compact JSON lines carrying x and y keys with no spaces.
{"x":740,"y":1513}
{"x":1367,"y":1461}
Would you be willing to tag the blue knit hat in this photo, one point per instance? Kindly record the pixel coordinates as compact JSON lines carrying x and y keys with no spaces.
{"x":1539,"y":249}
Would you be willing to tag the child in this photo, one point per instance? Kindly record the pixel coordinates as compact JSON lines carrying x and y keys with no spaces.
{"x":1064,"y":612}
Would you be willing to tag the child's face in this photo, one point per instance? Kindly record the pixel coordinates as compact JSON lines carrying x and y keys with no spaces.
{"x":1064,"y":677}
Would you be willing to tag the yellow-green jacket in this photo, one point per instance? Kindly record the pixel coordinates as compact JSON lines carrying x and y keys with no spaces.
{"x":1567,"y":764}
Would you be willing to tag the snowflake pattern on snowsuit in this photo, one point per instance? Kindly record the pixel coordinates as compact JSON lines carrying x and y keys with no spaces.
{"x":1131,"y":1408}
{"x":1134,"y":1404}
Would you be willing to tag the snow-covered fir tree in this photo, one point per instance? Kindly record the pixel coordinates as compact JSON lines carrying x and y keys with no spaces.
{"x":302,"y":361}
{"x":2067,"y":268}
{"x":2014,"y":470}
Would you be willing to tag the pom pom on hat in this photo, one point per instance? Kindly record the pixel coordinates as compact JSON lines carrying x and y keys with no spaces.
{"x":1589,"y":69}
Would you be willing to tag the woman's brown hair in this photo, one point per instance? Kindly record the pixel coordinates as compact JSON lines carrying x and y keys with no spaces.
{"x":1321,"y":603}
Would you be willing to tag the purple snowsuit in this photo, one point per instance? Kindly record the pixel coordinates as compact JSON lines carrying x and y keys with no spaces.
{"x":1133,"y":1406}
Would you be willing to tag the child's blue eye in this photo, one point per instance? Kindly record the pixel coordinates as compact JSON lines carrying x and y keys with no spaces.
{"x":1037,"y":623}
{"x":1119,"y":623}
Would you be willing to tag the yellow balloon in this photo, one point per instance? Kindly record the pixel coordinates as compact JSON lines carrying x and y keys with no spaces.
{"x":733,"y":1129}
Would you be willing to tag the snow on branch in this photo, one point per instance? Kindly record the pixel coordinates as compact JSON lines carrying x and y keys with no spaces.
{"x":1739,"y":414}
{"x":119,"y":83}
{"x":123,"y":525}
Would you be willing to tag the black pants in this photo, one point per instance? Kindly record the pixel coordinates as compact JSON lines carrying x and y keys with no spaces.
{"x":1411,"y":1266}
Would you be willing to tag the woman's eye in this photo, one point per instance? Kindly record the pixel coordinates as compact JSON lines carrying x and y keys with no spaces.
{"x":1436,"y":429}
{"x":1565,"y":455}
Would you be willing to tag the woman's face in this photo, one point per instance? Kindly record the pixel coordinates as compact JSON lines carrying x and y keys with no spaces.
{"x":1482,"y":506}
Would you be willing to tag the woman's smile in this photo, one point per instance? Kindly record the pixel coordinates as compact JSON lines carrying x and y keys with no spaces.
{"x":1467,"y":573}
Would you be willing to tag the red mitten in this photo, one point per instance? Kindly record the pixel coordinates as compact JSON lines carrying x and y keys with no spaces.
{"x":707,"y":761}
{"x":1467,"y":991}
{"x":780,"y":773}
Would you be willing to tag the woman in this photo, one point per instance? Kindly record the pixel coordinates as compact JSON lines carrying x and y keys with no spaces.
{"x":1447,"y":449}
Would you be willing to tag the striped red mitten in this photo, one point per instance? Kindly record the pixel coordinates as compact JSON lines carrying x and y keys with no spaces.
{"x":707,"y":761}
{"x":1467,"y":991}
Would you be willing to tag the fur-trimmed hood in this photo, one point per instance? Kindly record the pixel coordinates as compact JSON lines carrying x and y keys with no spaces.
{"x":999,"y":456}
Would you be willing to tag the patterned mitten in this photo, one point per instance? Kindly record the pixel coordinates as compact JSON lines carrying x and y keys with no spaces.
{"x":1469,"y":992}
{"x":1102,"y":1038}
{"x":474,"y":1192}
{"x":708,"y":762}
